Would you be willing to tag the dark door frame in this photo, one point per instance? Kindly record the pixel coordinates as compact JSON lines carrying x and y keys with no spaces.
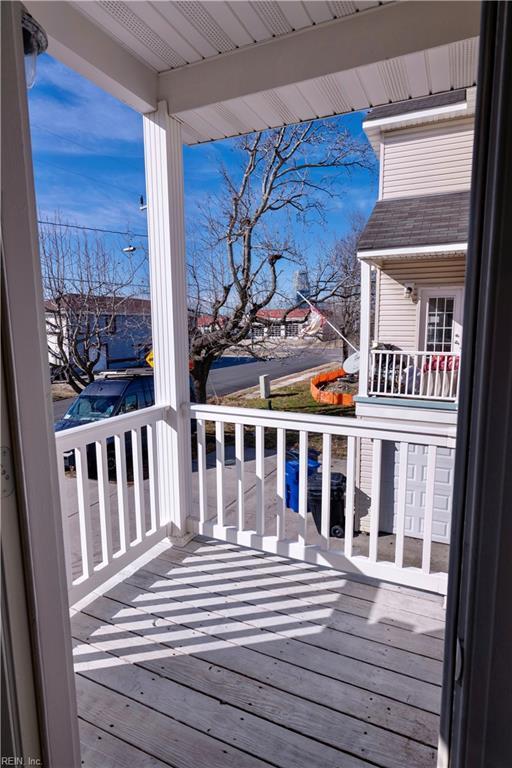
{"x":476,"y":722}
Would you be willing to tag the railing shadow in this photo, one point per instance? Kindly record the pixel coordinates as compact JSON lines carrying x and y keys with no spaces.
{"x":255,"y":649}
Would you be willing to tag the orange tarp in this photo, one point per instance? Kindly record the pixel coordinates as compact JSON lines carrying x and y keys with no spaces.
{"x":329,"y":398}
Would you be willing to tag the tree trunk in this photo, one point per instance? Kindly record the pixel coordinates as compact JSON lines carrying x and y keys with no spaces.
{"x":73,"y":383}
{"x":199,"y":374}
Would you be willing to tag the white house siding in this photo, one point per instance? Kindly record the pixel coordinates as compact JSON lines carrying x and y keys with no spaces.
{"x":396,"y":320}
{"x":427,"y":160}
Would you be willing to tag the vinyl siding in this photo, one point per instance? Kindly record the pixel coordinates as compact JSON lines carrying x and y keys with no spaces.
{"x":397,"y":315}
{"x":429,"y":160}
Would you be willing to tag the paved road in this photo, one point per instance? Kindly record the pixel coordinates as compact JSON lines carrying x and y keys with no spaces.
{"x":231,"y":374}
{"x":227,"y":378}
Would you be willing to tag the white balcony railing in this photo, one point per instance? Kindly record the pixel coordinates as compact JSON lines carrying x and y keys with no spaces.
{"x":109,"y":496}
{"x":240,"y":489}
{"x":110,"y":500}
{"x":414,"y":375}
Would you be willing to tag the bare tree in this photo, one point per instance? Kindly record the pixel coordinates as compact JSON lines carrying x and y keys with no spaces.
{"x":345,"y":306}
{"x":244,"y":236}
{"x":88,"y":292}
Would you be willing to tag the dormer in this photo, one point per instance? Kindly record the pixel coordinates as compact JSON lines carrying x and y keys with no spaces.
{"x":424,"y":146}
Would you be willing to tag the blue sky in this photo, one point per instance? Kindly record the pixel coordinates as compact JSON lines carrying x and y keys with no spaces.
{"x":89,"y":165}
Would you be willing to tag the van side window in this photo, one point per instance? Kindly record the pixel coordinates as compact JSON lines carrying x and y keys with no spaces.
{"x":135,"y":397}
{"x":150,"y":391}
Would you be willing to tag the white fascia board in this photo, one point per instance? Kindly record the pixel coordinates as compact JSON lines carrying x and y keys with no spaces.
{"x":378,"y":34}
{"x":418,"y":250}
{"x":90,"y":51}
{"x":448,"y":110}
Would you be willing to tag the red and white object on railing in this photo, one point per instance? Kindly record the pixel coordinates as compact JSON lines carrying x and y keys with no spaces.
{"x":414,"y":375}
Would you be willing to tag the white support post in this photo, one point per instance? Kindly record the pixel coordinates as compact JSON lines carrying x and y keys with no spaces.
{"x":364,"y":343}
{"x":163,"y":156}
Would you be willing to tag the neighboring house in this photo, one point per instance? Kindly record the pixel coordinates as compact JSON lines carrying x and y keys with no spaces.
{"x":413,"y":251}
{"x":205,"y":323}
{"x":122,"y":326}
{"x":294,"y":324}
{"x":278,"y":323}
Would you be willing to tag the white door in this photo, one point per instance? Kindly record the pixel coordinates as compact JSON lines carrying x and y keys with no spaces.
{"x":440,"y":320}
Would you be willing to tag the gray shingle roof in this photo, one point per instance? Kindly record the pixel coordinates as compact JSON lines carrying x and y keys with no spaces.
{"x":414,"y":221}
{"x":415,"y":105}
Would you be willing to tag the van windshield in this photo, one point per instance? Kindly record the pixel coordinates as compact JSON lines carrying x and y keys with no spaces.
{"x":92,"y":407}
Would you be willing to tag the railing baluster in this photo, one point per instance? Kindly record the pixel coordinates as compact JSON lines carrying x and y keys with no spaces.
{"x":65,"y":520}
{"x":281,"y":487}
{"x":260,"y":481}
{"x":201,"y":470}
{"x":84,"y":512}
{"x":375,"y":504}
{"x":154,"y":499}
{"x":240,"y":479}
{"x":428,"y":359}
{"x":372,"y":372}
{"x":303,"y":486}
{"x":122,"y":492}
{"x":379,"y":382}
{"x":326,"y":489}
{"x":429,"y":508}
{"x":138,"y":485}
{"x":104,"y":501}
{"x":451,"y":393}
{"x":401,"y":501}
{"x":422,"y":359}
{"x":219,"y":469}
{"x":350,"y":494}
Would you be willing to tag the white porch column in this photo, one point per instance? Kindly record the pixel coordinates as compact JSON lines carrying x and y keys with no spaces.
{"x":163,"y":154}
{"x":364,"y":339}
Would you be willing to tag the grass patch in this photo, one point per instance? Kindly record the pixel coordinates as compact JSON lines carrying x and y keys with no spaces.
{"x":62,"y":391}
{"x":295,"y":397}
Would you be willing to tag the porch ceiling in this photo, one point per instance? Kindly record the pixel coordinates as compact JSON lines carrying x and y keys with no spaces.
{"x":227,"y":68}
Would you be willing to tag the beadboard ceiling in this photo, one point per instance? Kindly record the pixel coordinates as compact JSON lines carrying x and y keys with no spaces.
{"x":229,"y":68}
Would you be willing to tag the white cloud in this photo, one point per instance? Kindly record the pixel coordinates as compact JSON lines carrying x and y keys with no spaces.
{"x":69,"y":105}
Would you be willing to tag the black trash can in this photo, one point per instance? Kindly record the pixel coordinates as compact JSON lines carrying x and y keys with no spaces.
{"x":337,"y":521}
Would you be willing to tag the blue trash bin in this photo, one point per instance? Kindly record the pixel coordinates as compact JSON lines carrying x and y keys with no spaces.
{"x":292,"y":477}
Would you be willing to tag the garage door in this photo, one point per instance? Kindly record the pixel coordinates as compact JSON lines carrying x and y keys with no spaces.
{"x":416,"y":491}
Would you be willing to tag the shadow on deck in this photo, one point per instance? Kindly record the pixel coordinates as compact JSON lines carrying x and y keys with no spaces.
{"x":217,"y":656}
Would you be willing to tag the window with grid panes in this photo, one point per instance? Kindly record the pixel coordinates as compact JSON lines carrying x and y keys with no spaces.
{"x":439,"y":324}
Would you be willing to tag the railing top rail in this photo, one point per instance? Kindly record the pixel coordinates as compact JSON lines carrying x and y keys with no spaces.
{"x":98,"y":430}
{"x":336,"y":425}
{"x":411,"y":352}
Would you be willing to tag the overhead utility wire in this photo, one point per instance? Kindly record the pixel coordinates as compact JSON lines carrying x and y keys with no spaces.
{"x":93,"y":229}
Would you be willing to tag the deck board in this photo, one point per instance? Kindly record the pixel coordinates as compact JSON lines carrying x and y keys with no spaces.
{"x":189,"y":662}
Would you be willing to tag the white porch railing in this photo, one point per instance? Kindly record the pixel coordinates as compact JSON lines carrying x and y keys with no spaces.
{"x":255,"y":513}
{"x":414,"y":375}
{"x":109,"y":496}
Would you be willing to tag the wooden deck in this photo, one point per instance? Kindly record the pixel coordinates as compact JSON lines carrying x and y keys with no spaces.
{"x":216,"y":656}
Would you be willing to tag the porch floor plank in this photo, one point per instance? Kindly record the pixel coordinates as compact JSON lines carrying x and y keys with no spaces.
{"x":211,"y":655}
